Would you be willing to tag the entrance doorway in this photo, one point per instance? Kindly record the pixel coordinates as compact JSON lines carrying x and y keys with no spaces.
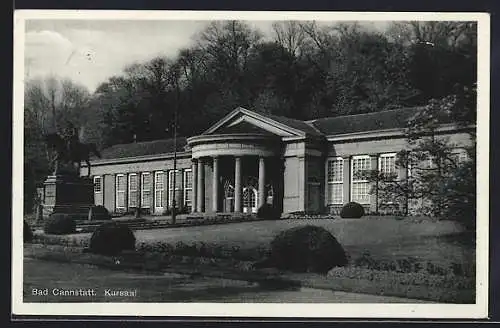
{"x":249,"y":200}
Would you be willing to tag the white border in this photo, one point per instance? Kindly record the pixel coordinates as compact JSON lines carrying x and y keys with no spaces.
{"x":446,"y":311}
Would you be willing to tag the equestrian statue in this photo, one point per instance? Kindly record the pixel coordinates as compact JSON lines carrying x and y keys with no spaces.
{"x":68,"y":149}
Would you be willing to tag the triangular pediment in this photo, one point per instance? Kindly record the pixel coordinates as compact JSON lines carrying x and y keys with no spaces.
{"x":243,"y":127}
{"x":242,"y":120}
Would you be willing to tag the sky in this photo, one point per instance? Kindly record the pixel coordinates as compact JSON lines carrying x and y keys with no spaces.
{"x":91,"y":51}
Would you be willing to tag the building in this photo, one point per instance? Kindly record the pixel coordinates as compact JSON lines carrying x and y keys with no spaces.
{"x":248,"y":159}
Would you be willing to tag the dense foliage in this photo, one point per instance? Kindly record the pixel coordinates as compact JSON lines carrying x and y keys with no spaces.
{"x":303,"y":70}
{"x":111,"y":238}
{"x":60,"y":224}
{"x":441,"y":179}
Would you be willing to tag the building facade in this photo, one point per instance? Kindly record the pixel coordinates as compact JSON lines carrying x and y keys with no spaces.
{"x":248,"y":159}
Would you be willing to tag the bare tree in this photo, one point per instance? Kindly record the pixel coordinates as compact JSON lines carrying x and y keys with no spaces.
{"x":445,"y":33}
{"x":52,"y":102}
{"x":290,"y":35}
{"x":228,"y":42}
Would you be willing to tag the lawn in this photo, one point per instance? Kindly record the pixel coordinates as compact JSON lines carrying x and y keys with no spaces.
{"x":385,"y":238}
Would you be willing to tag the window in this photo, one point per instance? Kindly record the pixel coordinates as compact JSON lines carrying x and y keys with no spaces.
{"x":146,"y":190}
{"x":249,"y":200}
{"x":178,"y":186}
{"x":335,"y":174}
{"x":120,"y":191}
{"x":387,"y":165}
{"x":360,"y":187}
{"x":188,"y":188}
{"x":132,"y":190}
{"x":98,"y":199}
{"x":97,"y":185}
{"x":159,"y":176}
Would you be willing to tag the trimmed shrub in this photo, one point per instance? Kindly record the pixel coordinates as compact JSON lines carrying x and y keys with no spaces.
{"x":352,"y":210}
{"x":267,"y":212}
{"x":99,"y":212}
{"x":59,"y":224}
{"x":305,"y":249}
{"x":111,"y":238}
{"x":27,"y":233}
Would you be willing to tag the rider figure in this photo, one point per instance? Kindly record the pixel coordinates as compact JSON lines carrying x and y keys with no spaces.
{"x":70,"y":136}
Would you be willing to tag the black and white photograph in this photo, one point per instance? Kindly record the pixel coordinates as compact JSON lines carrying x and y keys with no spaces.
{"x":250,"y":164}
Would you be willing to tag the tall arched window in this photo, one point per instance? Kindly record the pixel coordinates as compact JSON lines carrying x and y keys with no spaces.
{"x":249,"y":200}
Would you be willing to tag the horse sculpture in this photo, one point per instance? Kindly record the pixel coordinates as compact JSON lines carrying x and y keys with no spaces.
{"x":70,"y":150}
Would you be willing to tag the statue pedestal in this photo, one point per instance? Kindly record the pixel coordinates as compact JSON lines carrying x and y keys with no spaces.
{"x":69,"y":194}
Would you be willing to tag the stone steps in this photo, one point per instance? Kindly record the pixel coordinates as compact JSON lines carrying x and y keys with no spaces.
{"x":144,"y":224}
{"x":85,"y":226}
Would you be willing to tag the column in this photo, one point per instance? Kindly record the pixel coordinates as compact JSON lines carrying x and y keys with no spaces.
{"x":237,"y":184}
{"x":200,"y":194}
{"x":262,"y":181}
{"x":194,"y":191}
{"x":215,"y":184}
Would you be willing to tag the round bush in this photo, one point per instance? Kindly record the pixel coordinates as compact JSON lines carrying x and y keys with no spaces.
{"x":27,"y":234}
{"x":99,"y":212}
{"x":60,"y":224}
{"x":111,"y":238}
{"x":267,"y":212}
{"x":306,"y":249}
{"x":352,"y":210}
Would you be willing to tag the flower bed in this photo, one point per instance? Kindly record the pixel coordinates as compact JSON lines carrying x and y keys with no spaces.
{"x":73,"y":240}
{"x":310,"y":215}
{"x":420,"y":278}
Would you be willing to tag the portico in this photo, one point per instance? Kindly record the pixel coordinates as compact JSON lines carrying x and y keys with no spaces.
{"x":233,"y":168}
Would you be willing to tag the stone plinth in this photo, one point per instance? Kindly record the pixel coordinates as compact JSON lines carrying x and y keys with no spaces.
{"x":69,"y":194}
